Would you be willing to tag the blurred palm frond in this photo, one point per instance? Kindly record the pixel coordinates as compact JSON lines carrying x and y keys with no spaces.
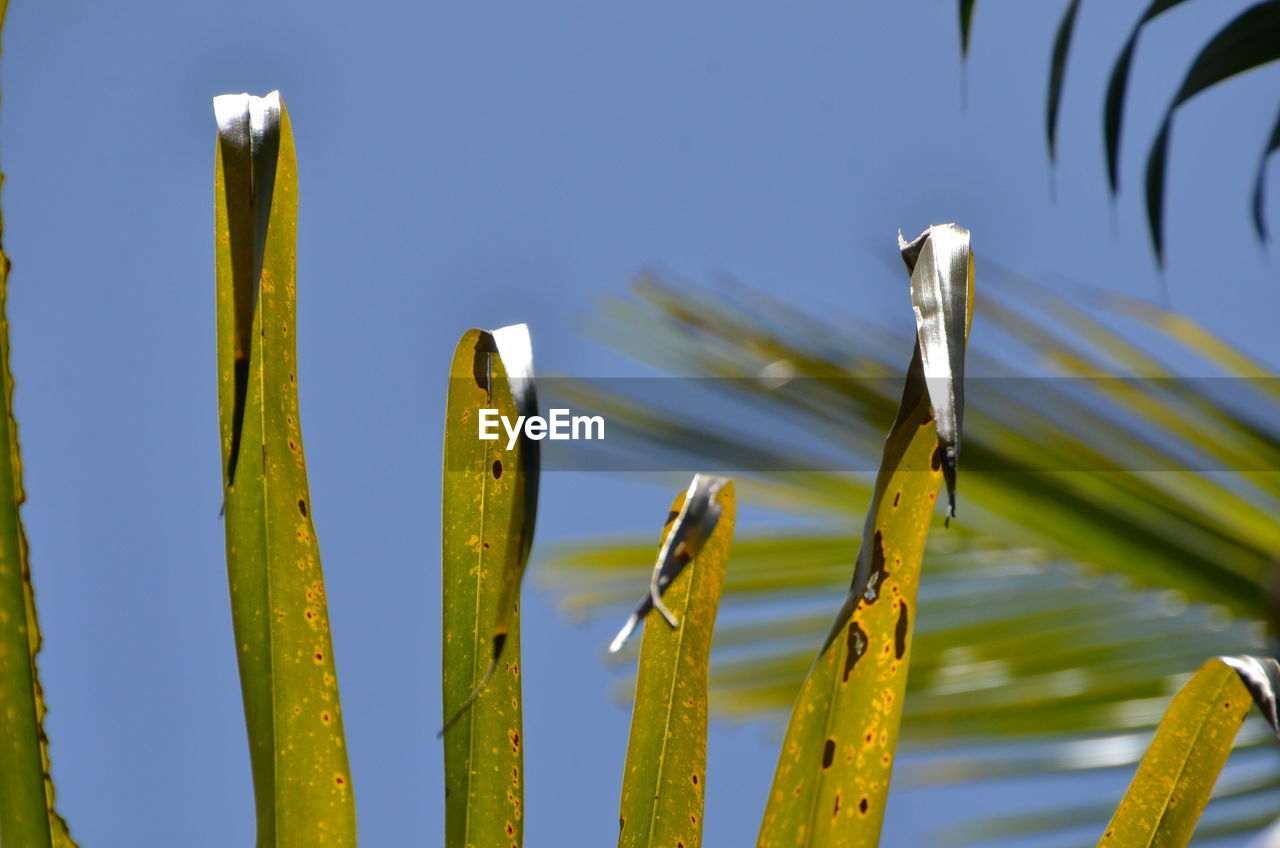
{"x":1117,"y":521}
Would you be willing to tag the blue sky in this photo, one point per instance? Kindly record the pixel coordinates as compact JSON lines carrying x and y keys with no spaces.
{"x":477,"y":165}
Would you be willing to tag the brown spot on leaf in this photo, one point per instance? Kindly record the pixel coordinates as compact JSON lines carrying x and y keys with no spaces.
{"x":897,"y":496}
{"x":514,"y":736}
{"x":862,"y":806}
{"x":694,"y":778}
{"x":302,"y":507}
{"x":857,"y":646}
{"x":485,"y":345}
{"x":497,"y":469}
{"x":828,"y":753}
{"x":879,"y":571}
{"x":900,"y":632}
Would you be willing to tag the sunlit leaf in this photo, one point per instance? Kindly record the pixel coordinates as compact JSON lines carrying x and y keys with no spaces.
{"x":664,"y":782}
{"x":301,"y":779}
{"x":688,"y":530}
{"x":1174,"y":781}
{"x":489,"y":503}
{"x":1251,"y":786}
{"x":833,"y":773}
{"x":27,"y":814}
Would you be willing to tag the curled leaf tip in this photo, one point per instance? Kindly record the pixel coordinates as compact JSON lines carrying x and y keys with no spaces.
{"x":939,"y":261}
{"x":693,"y":525}
{"x":249,"y":149}
{"x":1261,"y":676}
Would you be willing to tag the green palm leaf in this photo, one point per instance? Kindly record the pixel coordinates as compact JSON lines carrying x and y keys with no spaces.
{"x":664,"y":782}
{"x":489,"y":505}
{"x":301,"y":776}
{"x":1057,"y":73}
{"x":966,"y":24}
{"x":27,"y":811}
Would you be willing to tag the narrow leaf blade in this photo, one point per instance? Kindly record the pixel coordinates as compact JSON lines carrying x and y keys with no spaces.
{"x":1260,"y":181}
{"x":833,"y":774}
{"x":489,"y":498}
{"x":664,"y":781}
{"x":301,"y":777}
{"x":1175,"y":779}
{"x":27,"y":814}
{"x":1117,"y":87}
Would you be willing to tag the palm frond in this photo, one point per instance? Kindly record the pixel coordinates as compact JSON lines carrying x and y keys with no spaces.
{"x":1116,"y":524}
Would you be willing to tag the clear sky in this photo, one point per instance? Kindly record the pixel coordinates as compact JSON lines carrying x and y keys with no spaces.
{"x":477,"y":164}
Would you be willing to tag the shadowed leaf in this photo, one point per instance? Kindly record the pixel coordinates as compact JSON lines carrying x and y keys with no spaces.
{"x":665,"y":778}
{"x":1117,"y":87}
{"x":1260,"y":181}
{"x":1250,"y":40}
{"x":1057,"y":73}
{"x":301,"y":778}
{"x":966,"y":23}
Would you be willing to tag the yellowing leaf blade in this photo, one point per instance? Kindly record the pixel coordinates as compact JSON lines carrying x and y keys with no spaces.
{"x":1181,"y":766}
{"x":27,"y":811}
{"x":833,"y":773}
{"x":489,"y":498}
{"x":664,"y":782}
{"x":302,"y":781}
